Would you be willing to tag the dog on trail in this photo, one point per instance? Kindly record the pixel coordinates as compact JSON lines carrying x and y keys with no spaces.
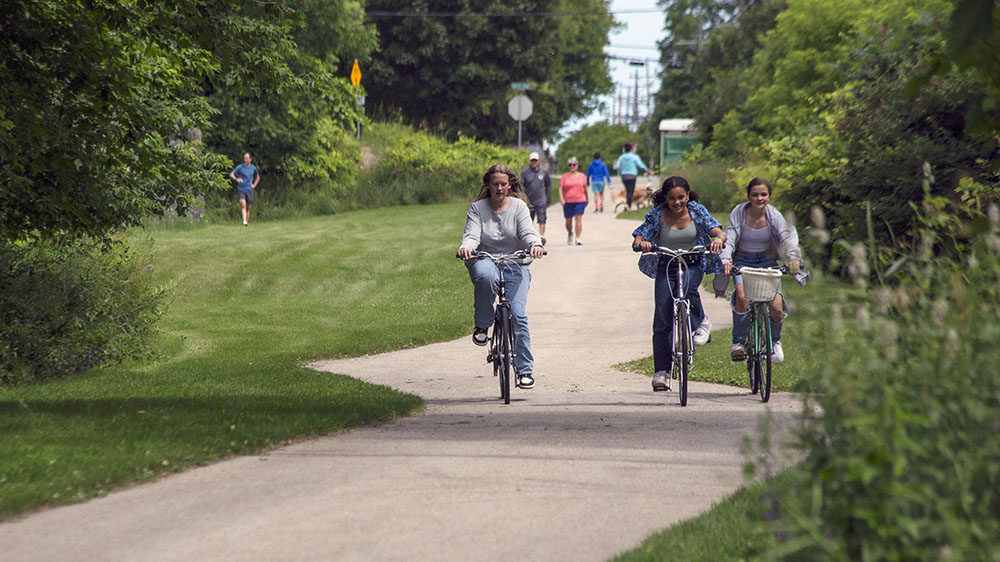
{"x":640,"y":198}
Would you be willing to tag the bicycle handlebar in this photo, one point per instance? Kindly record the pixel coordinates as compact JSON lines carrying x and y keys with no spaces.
{"x":517,"y":255}
{"x":660,"y":250}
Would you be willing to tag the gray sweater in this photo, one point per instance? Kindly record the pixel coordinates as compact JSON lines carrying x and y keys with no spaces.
{"x":784,"y":238}
{"x":499,"y":233}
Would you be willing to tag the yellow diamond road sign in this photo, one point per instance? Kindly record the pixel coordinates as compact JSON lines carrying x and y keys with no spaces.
{"x":356,"y":74}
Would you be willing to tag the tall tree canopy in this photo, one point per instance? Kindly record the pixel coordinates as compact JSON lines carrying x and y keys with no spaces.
{"x":447,"y":66}
{"x":94,"y":92}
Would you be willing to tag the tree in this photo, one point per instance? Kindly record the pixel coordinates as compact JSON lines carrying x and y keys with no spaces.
{"x":94,"y":93}
{"x":297,"y":136}
{"x":600,"y":137}
{"x":443,"y":68}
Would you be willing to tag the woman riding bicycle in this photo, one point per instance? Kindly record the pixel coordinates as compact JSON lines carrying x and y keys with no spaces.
{"x":498,"y":222}
{"x":677,"y":221}
{"x":754,"y":237}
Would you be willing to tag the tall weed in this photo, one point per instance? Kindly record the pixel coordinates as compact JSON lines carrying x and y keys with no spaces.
{"x":901,"y":445}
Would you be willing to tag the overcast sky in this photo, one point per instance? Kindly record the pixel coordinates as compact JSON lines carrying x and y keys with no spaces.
{"x":636,"y":40}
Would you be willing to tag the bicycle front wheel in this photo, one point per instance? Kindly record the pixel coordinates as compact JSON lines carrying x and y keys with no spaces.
{"x":750,"y":345}
{"x":501,"y":352}
{"x":682,"y":333}
{"x":764,"y":369}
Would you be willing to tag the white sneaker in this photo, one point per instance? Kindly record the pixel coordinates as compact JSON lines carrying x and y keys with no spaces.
{"x":569,"y":240}
{"x":660,"y":380}
{"x":703,"y":334}
{"x":778,"y":355}
{"x":738,"y":352}
{"x":525,"y":381}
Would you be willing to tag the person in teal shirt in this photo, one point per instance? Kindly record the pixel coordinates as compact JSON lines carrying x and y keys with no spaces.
{"x":628,"y":166}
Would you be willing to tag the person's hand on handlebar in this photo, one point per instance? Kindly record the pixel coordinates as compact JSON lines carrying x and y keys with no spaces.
{"x":727,"y":267}
{"x":465,"y":253}
{"x":642,"y":243}
{"x":793,"y":266}
{"x":537,"y":251}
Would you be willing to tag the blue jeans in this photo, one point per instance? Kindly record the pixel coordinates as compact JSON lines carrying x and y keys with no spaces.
{"x":486,"y":279}
{"x":742,"y":321}
{"x":664,"y":288}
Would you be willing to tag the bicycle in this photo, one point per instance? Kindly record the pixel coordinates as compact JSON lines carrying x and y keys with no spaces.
{"x":760,"y":284}
{"x":682,"y":354}
{"x":501,"y":346}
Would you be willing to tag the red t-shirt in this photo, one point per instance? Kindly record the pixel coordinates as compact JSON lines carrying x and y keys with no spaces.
{"x":574,"y":187}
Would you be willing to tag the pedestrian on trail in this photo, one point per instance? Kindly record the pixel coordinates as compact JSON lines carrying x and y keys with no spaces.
{"x":597,"y":173}
{"x":538,"y":188}
{"x":574,"y":198}
{"x":676,"y":221}
{"x":498,"y":222}
{"x":757,"y":235}
{"x":247,"y":177}
{"x":628,"y":166}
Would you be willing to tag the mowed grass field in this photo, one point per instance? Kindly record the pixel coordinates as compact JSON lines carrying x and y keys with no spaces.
{"x":250,"y":306}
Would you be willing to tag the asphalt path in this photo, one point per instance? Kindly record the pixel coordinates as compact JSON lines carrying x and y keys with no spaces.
{"x":582,"y":467}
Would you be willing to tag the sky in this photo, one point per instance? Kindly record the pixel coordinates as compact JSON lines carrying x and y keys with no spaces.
{"x":636,"y":40}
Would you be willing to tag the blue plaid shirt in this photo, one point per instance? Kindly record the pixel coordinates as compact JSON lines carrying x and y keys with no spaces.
{"x":650,"y":230}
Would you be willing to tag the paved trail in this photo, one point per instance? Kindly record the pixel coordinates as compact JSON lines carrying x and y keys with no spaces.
{"x":580,"y":468}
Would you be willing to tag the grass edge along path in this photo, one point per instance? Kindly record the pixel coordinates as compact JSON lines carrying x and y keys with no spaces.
{"x":251,"y":305}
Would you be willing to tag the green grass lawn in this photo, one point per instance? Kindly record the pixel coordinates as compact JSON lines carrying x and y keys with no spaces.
{"x":250,"y":306}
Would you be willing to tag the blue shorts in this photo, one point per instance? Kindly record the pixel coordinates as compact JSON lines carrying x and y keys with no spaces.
{"x":571,"y":210}
{"x":597,"y":186}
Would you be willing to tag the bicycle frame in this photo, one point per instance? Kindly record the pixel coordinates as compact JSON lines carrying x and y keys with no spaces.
{"x":682,"y":342}
{"x":501,"y":352}
{"x":759,"y":345}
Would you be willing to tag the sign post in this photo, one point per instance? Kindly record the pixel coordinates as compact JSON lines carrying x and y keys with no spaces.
{"x":519,"y":109}
{"x":356,"y":80}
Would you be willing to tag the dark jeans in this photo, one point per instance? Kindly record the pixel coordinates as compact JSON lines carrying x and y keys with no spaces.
{"x":663,"y":318}
{"x":629,"y":181}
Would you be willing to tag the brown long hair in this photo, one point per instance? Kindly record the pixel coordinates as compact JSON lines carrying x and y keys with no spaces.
{"x":516,"y":189}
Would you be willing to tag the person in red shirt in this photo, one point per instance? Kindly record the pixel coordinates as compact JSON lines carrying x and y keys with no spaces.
{"x":574,"y":198}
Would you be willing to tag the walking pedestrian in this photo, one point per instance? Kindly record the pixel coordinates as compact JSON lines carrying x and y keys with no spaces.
{"x":628,"y":166}
{"x":574,"y":198}
{"x":597,"y":173}
{"x":538,"y":187}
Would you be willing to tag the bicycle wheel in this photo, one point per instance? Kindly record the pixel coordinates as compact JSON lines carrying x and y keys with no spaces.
{"x":507,"y":354}
{"x":682,"y":333}
{"x":764,"y":369}
{"x":750,"y":346}
{"x":499,"y":355}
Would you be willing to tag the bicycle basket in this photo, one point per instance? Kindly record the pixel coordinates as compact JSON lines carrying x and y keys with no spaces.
{"x":760,"y":284}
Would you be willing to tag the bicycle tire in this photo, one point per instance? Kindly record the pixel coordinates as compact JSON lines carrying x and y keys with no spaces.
{"x":500,"y":364}
{"x":765,"y":372}
{"x":750,"y":347}
{"x":683,"y":335}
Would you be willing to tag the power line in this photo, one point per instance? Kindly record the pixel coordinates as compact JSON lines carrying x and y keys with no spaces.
{"x":385,"y":14}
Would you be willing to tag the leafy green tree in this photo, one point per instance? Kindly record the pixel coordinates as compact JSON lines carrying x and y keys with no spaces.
{"x":97,"y":99}
{"x":600,"y":137}
{"x":452,"y":73}
{"x":298,"y":137}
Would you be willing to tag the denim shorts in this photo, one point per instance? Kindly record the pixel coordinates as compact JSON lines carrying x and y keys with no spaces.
{"x":597,"y":186}
{"x":752,"y":259}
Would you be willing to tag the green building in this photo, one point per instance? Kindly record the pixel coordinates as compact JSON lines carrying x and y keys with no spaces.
{"x":677,"y":136}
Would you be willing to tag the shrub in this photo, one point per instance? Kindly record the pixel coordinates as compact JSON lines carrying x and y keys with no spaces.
{"x":901,"y":446}
{"x":709,"y":179}
{"x":70,"y":306}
